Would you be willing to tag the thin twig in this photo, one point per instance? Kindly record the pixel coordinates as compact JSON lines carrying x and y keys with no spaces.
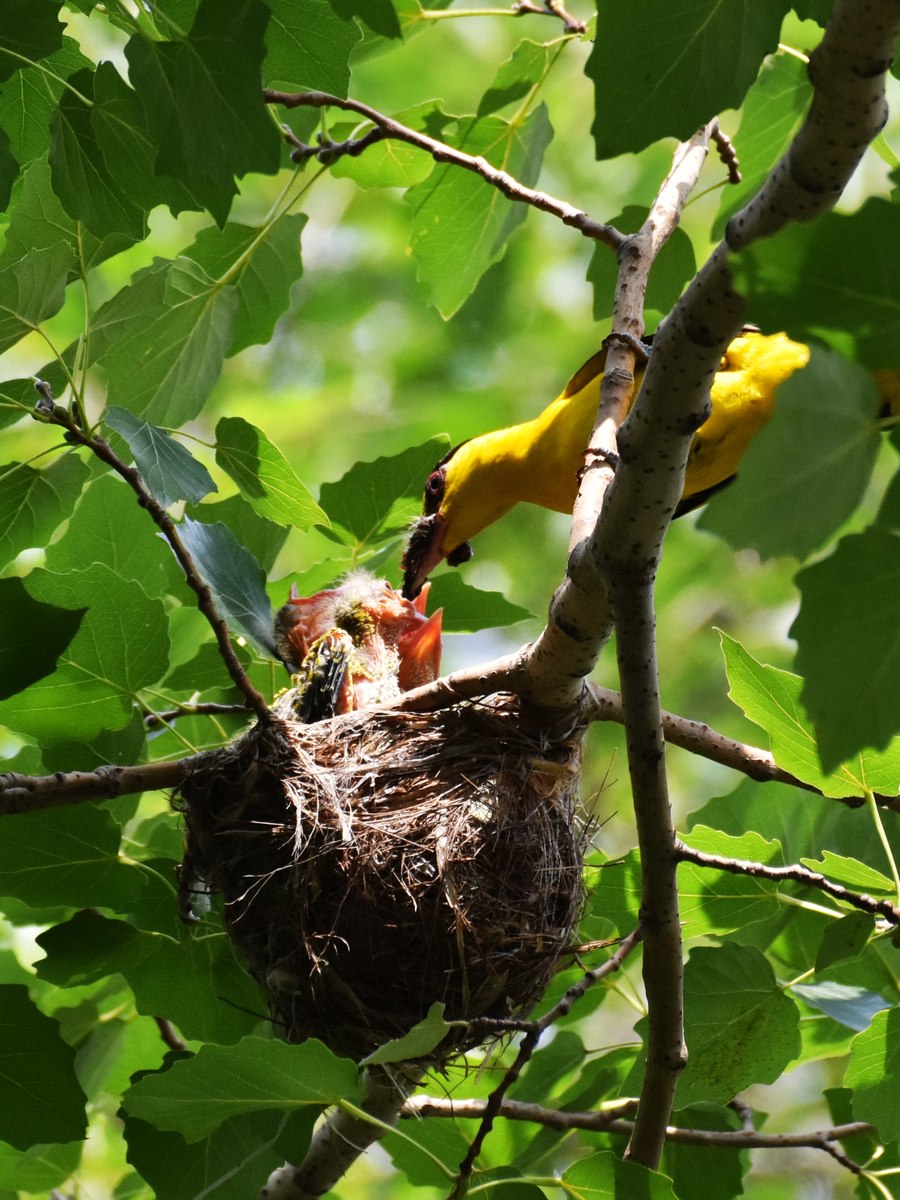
{"x":796,"y":873}
{"x":527,"y":1047}
{"x":511,"y":187}
{"x":49,"y":412}
{"x":168,"y":1034}
{"x":550,"y":8}
{"x":210,"y":709}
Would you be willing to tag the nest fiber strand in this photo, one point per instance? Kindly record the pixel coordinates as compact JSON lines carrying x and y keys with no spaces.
{"x":380,"y":861}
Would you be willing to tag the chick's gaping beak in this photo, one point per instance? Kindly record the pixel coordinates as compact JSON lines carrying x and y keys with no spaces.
{"x":423,"y":552}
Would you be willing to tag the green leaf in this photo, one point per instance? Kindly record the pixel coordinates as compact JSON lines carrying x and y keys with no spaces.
{"x":419,"y":1042}
{"x":262,"y":538}
{"x":228,"y":1165}
{"x":389,"y":163}
{"x":663,"y":69}
{"x":31,"y":290}
{"x":39,"y":1169}
{"x":43,"y":1101}
{"x":221,"y":1082}
{"x":770,"y":117}
{"x":203,"y":100}
{"x":129,"y":152}
{"x":32,"y":636}
{"x":850,"y":872}
{"x":33,"y":503}
{"x":789,"y":502}
{"x":467,"y":609}
{"x":605,"y":1176}
{"x":379,"y":15}
{"x":460,"y":224}
{"x":9,"y":169}
{"x":205,"y":671}
{"x":67,"y":856}
{"x":108,"y":526}
{"x":718,"y":901}
{"x":844,"y":938}
{"x":31,"y":30}
{"x":261,"y":264}
{"x":615,"y":892}
{"x":524,"y":68}
{"x":852,"y":1007}
{"x":120,"y":647}
{"x":739,"y":1026}
{"x":169,"y":469}
{"x":235,"y":578}
{"x":809,"y":282}
{"x":87,"y":189}
{"x":362,"y":499}
{"x":37,"y":222}
{"x":848,"y":645}
{"x":874,"y":1074}
{"x":193,"y":981}
{"x":29,"y":98}
{"x":673,"y":267}
{"x":308,"y":47}
{"x":264,"y":475}
{"x":772,"y":699}
{"x":162,"y":341}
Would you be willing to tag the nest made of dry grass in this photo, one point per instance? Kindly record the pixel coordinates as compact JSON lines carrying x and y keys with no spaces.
{"x":381,"y":861}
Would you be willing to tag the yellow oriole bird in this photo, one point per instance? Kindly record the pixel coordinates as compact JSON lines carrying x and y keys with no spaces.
{"x":539,"y":461}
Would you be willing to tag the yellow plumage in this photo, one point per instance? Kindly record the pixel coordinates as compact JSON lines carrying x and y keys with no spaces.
{"x":538,"y":461}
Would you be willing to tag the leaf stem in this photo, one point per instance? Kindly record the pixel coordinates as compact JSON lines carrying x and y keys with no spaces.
{"x":885,"y":843}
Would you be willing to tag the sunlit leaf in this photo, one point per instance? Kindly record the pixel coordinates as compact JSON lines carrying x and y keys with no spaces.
{"x":460,"y":224}
{"x":31,"y":290}
{"x":605,"y":1176}
{"x":419,"y":1042}
{"x":28,"y":98}
{"x":740,"y":1027}
{"x":265,"y":477}
{"x":261,"y":264}
{"x":874,"y":1074}
{"x":162,"y":341}
{"x":772,"y":699}
{"x":720,"y":901}
{"x":33,"y":502}
{"x":361,"y":500}
{"x":221,"y":1082}
{"x":121,"y":646}
{"x":467,"y":609}
{"x":516,"y":77}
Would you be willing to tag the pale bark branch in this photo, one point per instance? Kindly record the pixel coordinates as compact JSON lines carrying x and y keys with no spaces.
{"x":341,"y":1138}
{"x":30,"y":793}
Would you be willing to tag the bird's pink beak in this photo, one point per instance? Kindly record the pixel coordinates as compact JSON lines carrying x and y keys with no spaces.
{"x":420,"y":652}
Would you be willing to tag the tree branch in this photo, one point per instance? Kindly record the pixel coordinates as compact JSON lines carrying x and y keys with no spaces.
{"x":611,"y":1121}
{"x":442,"y":153}
{"x":798,"y":874}
{"x":51,"y":413}
{"x":29,"y":793}
{"x":344,"y":1135}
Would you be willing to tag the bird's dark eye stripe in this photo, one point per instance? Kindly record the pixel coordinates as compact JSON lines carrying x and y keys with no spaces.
{"x":434,"y":491}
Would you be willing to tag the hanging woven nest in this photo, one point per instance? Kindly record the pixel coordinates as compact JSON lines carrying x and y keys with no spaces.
{"x":379,"y":861}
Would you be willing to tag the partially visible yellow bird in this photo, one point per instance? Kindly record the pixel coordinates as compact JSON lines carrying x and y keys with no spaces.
{"x":539,"y":461}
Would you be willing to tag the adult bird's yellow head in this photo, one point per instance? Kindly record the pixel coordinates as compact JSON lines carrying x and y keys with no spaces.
{"x":539,"y":460}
